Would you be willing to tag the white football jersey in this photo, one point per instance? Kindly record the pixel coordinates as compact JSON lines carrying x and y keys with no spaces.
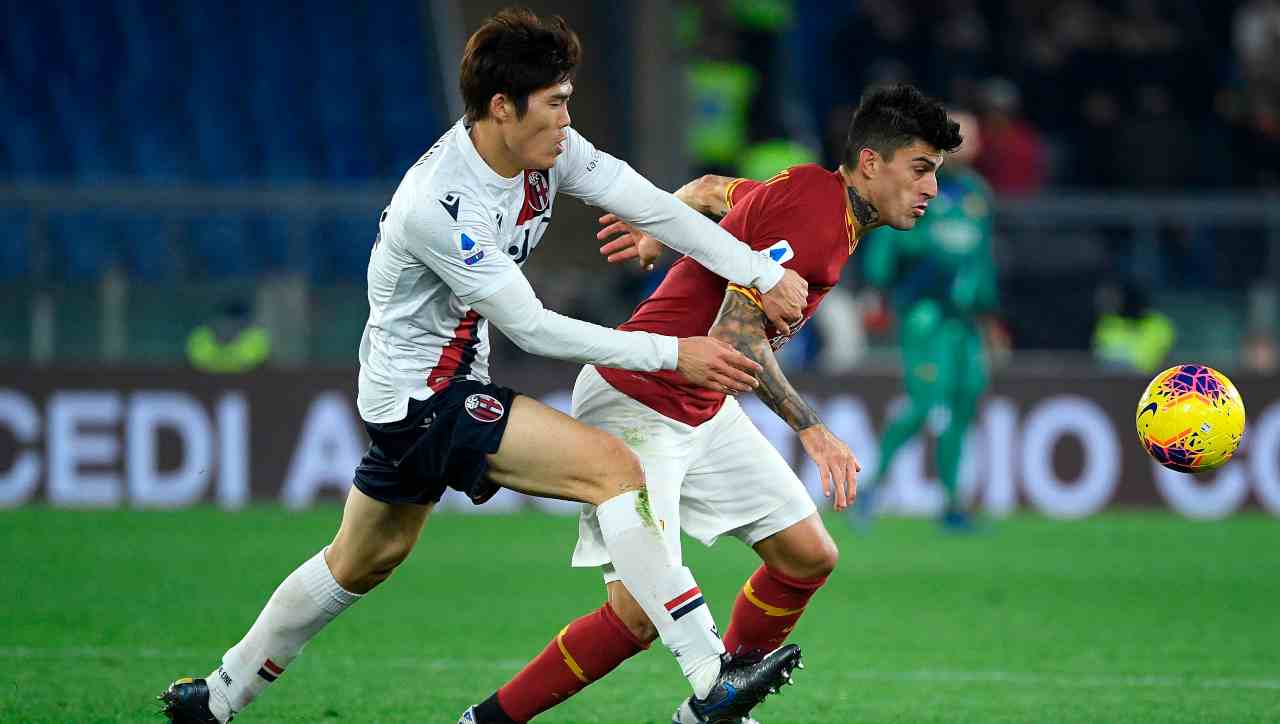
{"x":454,"y":233}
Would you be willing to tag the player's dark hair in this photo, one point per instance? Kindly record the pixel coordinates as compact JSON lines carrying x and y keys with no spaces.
{"x":515,"y":53}
{"x":894,"y":117}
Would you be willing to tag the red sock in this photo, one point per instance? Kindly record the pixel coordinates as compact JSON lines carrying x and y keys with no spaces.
{"x":585,"y":650}
{"x":766,"y":610}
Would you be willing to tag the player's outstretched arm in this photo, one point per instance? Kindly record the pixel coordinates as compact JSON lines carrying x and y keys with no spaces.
{"x":632,"y":243}
{"x":604,"y":181}
{"x":516,"y":311}
{"x":741,"y":323}
{"x":706,"y":194}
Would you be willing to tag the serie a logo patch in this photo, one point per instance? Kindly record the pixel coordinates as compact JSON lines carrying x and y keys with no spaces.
{"x":468,"y":245}
{"x":484,"y":408}
{"x":779,"y":251}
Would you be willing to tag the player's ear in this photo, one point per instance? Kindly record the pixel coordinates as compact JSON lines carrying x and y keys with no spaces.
{"x":869,"y":162}
{"x":500,"y":107}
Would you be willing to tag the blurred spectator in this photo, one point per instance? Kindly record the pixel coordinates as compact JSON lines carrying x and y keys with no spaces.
{"x":880,"y":31}
{"x":1148,"y":43}
{"x":762,"y":160}
{"x":1129,"y":333}
{"x":721,"y":91}
{"x":759,"y":25}
{"x":1256,"y":38}
{"x":1253,"y":111}
{"x":960,"y":50}
{"x":1148,"y":140}
{"x":1013,"y":156}
{"x":1253,"y":133}
{"x":1096,"y":161}
{"x":1259,"y":352}
{"x":230,"y":343}
{"x":1060,"y":46}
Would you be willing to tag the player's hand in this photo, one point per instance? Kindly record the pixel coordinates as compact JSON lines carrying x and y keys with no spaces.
{"x":629,"y":243}
{"x":836,"y":464}
{"x":784,"y":304}
{"x":713,"y":364}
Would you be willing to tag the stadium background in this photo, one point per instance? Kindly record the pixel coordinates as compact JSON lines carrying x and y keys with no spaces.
{"x":172,"y":167}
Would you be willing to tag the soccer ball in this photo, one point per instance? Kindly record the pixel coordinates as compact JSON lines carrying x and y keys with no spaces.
{"x":1190,"y":418}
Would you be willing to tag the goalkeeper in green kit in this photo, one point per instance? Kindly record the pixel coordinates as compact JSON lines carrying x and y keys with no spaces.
{"x":939,"y":278}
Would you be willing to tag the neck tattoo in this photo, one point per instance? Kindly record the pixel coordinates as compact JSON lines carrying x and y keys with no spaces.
{"x":864,"y":211}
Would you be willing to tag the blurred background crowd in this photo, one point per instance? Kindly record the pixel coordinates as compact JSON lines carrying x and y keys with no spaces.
{"x":200,"y":182}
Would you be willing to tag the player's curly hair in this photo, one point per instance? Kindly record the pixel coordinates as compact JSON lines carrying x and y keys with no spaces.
{"x":515,"y":53}
{"x":892,"y":117}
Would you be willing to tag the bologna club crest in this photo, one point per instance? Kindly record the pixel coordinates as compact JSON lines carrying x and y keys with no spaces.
{"x":536,"y":191}
{"x":537,"y":195}
{"x":484,"y":408}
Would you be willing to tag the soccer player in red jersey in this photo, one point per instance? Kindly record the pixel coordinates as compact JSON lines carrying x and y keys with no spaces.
{"x":710,"y":471}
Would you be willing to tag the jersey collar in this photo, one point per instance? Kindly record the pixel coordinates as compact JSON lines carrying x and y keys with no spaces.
{"x":851,"y":228}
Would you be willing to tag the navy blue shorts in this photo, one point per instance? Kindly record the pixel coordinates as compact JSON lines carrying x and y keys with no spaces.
{"x":441,"y":443}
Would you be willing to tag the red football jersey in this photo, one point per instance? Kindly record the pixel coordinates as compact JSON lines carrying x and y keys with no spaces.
{"x":800,"y":218}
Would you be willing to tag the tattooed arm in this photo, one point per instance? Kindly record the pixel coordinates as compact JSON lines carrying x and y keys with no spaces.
{"x":741,"y":323}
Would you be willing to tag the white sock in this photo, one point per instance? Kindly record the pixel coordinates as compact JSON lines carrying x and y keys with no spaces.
{"x":666,"y":592}
{"x":303,"y":603}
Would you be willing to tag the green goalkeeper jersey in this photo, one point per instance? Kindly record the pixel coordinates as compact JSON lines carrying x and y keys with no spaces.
{"x":946,"y":258}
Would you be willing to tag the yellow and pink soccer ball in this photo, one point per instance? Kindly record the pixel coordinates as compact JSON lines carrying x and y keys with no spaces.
{"x":1191,"y":418}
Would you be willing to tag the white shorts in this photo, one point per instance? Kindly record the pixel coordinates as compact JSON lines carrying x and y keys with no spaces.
{"x":720,"y":477}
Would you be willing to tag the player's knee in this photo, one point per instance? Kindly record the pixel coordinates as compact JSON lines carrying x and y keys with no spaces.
{"x":624,"y":464}
{"x":816,"y":559}
{"x":630,"y":613}
{"x":619,"y":470}
{"x":360,"y":570}
{"x":390,"y":555}
{"x":825,"y":557}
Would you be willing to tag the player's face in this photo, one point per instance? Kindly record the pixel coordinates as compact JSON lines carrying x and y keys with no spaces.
{"x":901,"y":192}
{"x":538,"y":139}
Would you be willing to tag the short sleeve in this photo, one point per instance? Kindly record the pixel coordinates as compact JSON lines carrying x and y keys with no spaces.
{"x":585,"y":171}
{"x":761,"y":213}
{"x":737,"y":190}
{"x":767,"y":218}
{"x":463,"y":252}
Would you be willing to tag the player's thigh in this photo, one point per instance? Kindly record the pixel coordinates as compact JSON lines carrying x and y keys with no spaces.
{"x":546,"y":453}
{"x":663,"y":446}
{"x":923,"y":357}
{"x":962,"y":370}
{"x":374,"y":536}
{"x":740,"y":484}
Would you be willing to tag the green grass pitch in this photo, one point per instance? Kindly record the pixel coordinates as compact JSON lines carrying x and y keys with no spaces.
{"x":1126,"y":617}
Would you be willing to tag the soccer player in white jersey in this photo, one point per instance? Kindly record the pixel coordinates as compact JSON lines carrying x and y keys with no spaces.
{"x":445,"y":265}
